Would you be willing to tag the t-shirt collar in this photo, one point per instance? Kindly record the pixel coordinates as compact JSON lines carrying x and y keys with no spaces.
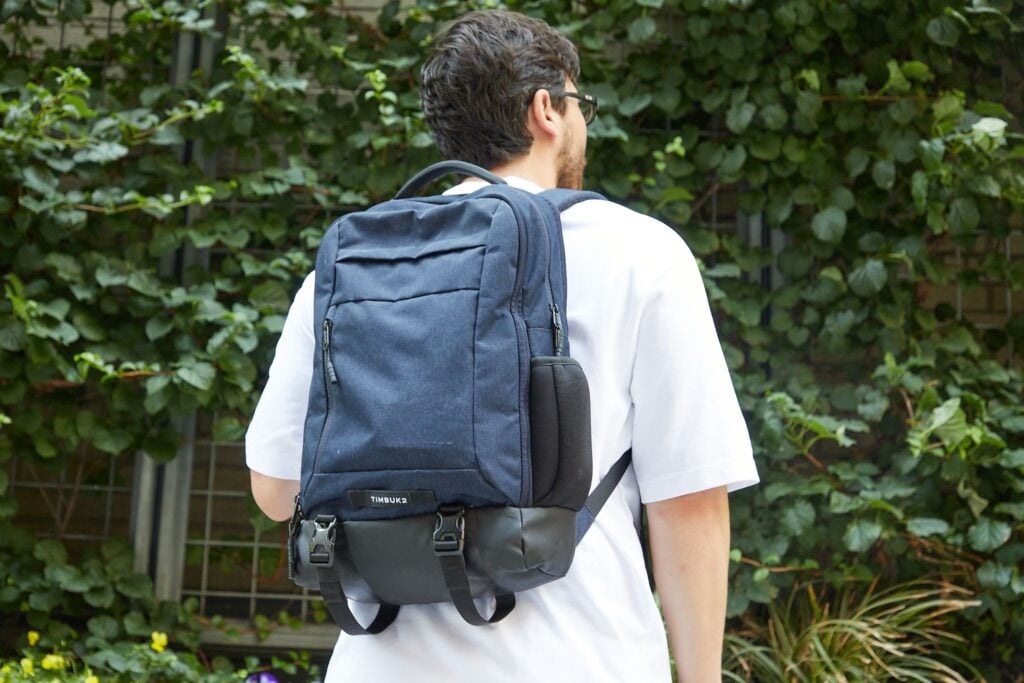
{"x":515,"y":181}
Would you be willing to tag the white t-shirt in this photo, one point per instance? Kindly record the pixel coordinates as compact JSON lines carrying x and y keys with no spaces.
{"x":640,"y":325}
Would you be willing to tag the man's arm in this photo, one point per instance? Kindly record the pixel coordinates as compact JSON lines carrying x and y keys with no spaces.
{"x":690,"y":552}
{"x":276,"y":497}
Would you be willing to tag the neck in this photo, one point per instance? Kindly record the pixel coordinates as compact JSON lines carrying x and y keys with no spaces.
{"x":539,"y":171}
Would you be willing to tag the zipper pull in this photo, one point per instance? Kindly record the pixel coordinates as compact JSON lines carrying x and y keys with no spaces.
{"x":293,"y":530}
{"x":556,"y":320}
{"x":325,"y":344}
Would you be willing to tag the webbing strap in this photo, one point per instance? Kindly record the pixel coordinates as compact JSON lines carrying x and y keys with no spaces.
{"x":337,"y":604}
{"x":449,"y":543}
{"x":599,"y":496}
{"x":329,"y":539}
{"x":564,"y":199}
{"x":453,"y":567}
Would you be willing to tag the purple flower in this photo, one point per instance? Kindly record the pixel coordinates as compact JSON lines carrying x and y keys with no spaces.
{"x":261,"y":677}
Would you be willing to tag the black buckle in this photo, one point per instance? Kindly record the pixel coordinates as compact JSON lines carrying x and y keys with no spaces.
{"x":321,"y":546}
{"x":450,"y":532}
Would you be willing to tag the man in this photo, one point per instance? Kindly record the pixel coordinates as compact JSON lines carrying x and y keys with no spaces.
{"x":500,"y":91}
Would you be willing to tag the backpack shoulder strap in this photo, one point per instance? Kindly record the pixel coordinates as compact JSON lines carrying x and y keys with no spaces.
{"x":599,"y":496}
{"x":563,"y":199}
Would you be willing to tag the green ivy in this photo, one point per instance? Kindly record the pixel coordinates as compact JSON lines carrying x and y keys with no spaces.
{"x":875,"y":139}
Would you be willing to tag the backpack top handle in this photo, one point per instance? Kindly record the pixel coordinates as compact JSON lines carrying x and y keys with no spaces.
{"x":441,"y":169}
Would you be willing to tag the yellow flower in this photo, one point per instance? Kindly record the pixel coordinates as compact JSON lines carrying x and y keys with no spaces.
{"x":53,"y":663}
{"x":159,"y":641}
{"x":91,"y":679}
{"x":27,"y":666}
{"x":33,"y":638}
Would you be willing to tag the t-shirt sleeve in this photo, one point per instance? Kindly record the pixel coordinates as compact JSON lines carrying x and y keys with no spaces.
{"x":689,"y":434}
{"x":273,"y":442}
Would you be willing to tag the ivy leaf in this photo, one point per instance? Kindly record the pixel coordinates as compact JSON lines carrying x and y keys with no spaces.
{"x":1015,"y":510}
{"x":852,"y":86}
{"x":634,"y":104}
{"x":641,"y":30}
{"x":943,"y":31}
{"x":135,"y":585}
{"x":798,"y":518}
{"x":1012,"y":459}
{"x":861,"y":535}
{"x":919,"y":191}
{"x":50,"y":552}
{"x":270,"y":295}
{"x":985,"y":185}
{"x":227,"y":429}
{"x":136,"y":625}
{"x":101,"y":153}
{"x":948,"y":108}
{"x":732,"y":162}
{"x":963,"y":216}
{"x":199,"y":375}
{"x":739,"y":116}
{"x":856,"y":162}
{"x":988,"y":534}
{"x":39,"y":179}
{"x":112,"y":441}
{"x":105,"y":627}
{"x":67,"y":577}
{"x":12,"y":336}
{"x":45,"y":600}
{"x":829,"y":225}
{"x":994,"y":575}
{"x":101,"y":597}
{"x":897,"y":80}
{"x":884,"y":173}
{"x":868,"y":278}
{"x":766,"y":146}
{"x":919,"y":71}
{"x":927,"y":526}
{"x":158,"y":326}
{"x":774,"y":117}
{"x":778,"y":489}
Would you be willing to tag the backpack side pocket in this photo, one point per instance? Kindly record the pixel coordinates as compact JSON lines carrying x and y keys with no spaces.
{"x":560,"y":446}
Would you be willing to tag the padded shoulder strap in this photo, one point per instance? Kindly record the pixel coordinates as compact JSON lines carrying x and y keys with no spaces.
{"x":563,"y":199}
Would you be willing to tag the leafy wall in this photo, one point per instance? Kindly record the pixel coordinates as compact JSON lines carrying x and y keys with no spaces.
{"x":153,"y":232}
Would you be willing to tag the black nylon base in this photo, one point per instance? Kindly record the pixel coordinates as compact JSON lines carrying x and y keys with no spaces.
{"x":507,"y":550}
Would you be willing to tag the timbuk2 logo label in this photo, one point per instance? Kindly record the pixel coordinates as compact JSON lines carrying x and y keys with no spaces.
{"x":389,"y":499}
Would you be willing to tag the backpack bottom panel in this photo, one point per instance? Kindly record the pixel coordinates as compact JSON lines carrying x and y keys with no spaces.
{"x":507,"y":550}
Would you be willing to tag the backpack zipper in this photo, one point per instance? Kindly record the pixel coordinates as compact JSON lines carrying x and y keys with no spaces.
{"x":556,"y":320}
{"x":330,"y":377}
{"x":325,"y":344}
{"x":519,"y":323}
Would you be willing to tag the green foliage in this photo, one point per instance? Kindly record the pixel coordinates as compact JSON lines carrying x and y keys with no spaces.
{"x":100,"y":657}
{"x":99,"y":593}
{"x":853,"y":634}
{"x":875,"y":138}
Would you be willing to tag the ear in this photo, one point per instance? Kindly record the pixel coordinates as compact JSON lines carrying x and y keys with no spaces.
{"x":542,"y":119}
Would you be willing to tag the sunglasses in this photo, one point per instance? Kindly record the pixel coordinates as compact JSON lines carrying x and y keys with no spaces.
{"x":588,"y":105}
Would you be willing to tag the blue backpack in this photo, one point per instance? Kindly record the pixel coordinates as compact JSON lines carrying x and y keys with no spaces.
{"x":446,"y":453}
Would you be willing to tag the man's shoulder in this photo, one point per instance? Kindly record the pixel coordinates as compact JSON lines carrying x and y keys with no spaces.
{"x":629,"y":234}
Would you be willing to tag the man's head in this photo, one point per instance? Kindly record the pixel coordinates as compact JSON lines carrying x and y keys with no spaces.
{"x":494,"y":89}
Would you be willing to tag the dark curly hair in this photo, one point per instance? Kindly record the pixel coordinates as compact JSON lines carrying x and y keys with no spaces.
{"x":479,"y":80}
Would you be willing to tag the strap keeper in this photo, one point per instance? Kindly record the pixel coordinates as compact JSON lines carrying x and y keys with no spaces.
{"x":450,"y":532}
{"x":321,"y":546}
